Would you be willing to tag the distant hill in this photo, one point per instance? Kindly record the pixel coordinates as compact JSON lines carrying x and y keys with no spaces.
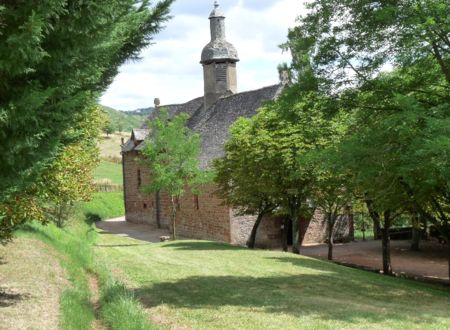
{"x":142,"y":111}
{"x":125,"y":121}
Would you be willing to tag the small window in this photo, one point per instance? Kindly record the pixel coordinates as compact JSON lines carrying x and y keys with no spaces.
{"x":196,"y":202}
{"x":145,"y":206}
{"x":221,"y":72}
{"x":139,"y":178}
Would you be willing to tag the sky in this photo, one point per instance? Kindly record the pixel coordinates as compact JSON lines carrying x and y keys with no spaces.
{"x":170,"y":69}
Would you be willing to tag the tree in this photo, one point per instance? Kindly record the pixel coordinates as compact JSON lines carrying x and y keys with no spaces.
{"x":398,"y":143}
{"x":242,"y":175}
{"x":69,"y":179}
{"x":55,"y":60}
{"x":331,"y":195}
{"x":350,"y":52}
{"x":171,"y":154}
{"x":271,"y":148}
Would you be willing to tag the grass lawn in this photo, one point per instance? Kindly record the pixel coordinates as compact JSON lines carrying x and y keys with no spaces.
{"x":105,"y":205}
{"x":208,"y":285}
{"x":109,"y":170}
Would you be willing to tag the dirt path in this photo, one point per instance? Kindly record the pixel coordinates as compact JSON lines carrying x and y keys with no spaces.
{"x":430,"y":261}
{"x":141,"y":232}
{"x":31,"y":283}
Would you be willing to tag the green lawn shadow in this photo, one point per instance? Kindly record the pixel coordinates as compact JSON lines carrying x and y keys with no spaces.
{"x":201,"y":246}
{"x":329,"y":294}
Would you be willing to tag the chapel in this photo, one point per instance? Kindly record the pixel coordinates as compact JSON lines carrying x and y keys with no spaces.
{"x":206,"y":216}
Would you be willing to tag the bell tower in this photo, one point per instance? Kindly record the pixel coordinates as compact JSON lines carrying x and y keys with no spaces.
{"x":219,"y":59}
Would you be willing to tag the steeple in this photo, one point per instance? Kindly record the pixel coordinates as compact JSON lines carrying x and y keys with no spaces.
{"x":219,"y":59}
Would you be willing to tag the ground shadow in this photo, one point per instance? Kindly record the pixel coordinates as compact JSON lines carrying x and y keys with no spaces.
{"x":201,"y":246}
{"x":119,"y":245}
{"x":92,"y":218}
{"x":329,"y":295}
{"x":8,"y":299}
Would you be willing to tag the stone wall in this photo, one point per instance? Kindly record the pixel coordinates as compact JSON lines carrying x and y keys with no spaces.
{"x":139,"y":207}
{"x":315,"y":231}
{"x":268,"y":235}
{"x":205,"y":217}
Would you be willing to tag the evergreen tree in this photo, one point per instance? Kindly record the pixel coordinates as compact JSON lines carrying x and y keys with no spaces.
{"x":56,"y":57}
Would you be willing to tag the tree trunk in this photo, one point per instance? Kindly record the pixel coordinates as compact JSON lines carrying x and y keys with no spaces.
{"x":448,"y":250}
{"x":295,"y":235}
{"x":285,"y":234}
{"x":252,"y":238}
{"x":416,"y":232}
{"x":386,"y":244}
{"x":60,"y":215}
{"x":330,"y":240}
{"x":173,"y":218}
{"x":375,"y":216}
{"x":158,"y":208}
{"x":447,"y":236}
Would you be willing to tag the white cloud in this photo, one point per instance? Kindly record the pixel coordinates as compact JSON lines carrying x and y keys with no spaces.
{"x":170,"y":69}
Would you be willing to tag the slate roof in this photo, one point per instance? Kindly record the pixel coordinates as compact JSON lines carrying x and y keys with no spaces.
{"x":213,"y":123}
{"x":174,"y":109}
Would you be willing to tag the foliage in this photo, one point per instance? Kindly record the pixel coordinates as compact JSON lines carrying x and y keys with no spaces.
{"x":242,"y":175}
{"x":171,"y":154}
{"x":17,"y":210}
{"x":55,"y":60}
{"x":396,"y":87}
{"x":69,"y":179}
{"x":348,"y":42}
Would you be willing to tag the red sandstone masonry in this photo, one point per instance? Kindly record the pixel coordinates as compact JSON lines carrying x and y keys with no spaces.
{"x":211,"y":220}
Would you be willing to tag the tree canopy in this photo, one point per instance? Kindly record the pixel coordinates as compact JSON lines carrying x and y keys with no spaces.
{"x":56,"y":57}
{"x":171,"y":154}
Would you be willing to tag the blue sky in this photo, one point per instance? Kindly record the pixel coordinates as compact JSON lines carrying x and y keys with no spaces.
{"x":170,"y":69}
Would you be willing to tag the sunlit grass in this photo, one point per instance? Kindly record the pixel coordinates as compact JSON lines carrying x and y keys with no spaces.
{"x":207,"y":285}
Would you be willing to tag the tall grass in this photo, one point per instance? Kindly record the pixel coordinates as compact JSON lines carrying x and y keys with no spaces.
{"x":77,"y":258}
{"x":105,"y":205}
{"x":119,"y":310}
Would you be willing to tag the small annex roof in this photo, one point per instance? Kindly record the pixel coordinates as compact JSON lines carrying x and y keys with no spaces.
{"x":139,"y":134}
{"x":128,"y":146}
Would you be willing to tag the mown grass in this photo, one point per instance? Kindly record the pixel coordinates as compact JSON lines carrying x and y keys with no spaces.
{"x":119,"y":310}
{"x":105,"y":205}
{"x":207,"y":285}
{"x":109,"y":170}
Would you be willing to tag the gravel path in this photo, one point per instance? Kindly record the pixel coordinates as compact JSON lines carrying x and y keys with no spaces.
{"x":430,"y":261}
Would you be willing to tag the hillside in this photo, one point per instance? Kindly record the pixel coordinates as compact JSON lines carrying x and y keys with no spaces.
{"x":125,"y":121}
